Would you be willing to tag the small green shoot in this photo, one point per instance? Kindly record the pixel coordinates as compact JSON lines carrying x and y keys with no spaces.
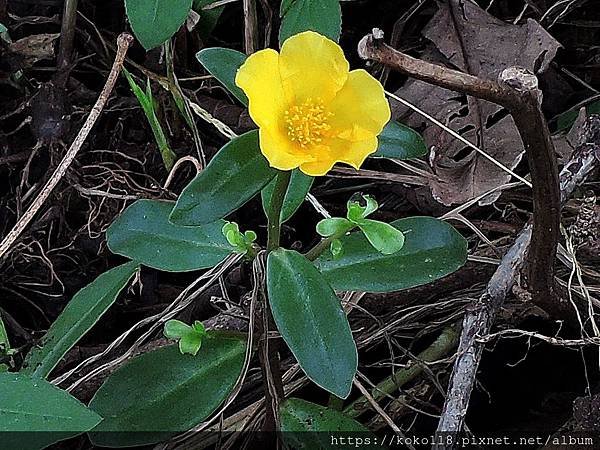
{"x":189,"y":336}
{"x":243,"y":242}
{"x":382,"y":236}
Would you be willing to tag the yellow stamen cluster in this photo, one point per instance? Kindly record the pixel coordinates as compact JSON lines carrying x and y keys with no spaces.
{"x":307,"y":123}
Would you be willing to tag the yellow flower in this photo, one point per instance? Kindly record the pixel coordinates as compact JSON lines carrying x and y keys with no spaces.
{"x":312,"y":111}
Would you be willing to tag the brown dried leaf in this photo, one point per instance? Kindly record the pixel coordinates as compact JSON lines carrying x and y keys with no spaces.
{"x":565,"y":144}
{"x":467,"y":38}
{"x":34,"y":48}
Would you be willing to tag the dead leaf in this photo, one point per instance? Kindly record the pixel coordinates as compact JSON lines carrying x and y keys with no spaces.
{"x":565,"y":144}
{"x":467,"y":38}
{"x":31,"y":49}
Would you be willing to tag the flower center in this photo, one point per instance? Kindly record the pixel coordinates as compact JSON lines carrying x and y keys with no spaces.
{"x":307,"y":123}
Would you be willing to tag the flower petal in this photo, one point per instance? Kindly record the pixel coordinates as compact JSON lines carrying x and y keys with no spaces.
{"x":312,"y":66}
{"x":259,"y":78}
{"x":317,"y":168}
{"x":354,"y":153}
{"x":339,"y":150}
{"x":360,"y":109}
{"x":279,"y":151}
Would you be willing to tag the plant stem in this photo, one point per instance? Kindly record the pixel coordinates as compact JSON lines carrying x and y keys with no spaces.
{"x":319,"y":248}
{"x":268,"y":355}
{"x":282,"y":182}
{"x":271,"y":373}
{"x":324,"y":244}
{"x":67,"y":34}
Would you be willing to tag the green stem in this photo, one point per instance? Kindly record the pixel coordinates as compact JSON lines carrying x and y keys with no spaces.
{"x":324,"y":244}
{"x":319,"y":248}
{"x":445,"y":342}
{"x":269,"y":362}
{"x":274,"y":213}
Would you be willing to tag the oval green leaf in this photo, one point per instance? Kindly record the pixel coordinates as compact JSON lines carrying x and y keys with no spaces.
{"x":163,"y":393}
{"x":306,"y":425}
{"x":311,"y":321}
{"x":322,"y":16}
{"x":236,"y":174}
{"x":397,"y":141}
{"x":155,"y":21}
{"x":80,"y":314}
{"x":4,"y":342}
{"x":432,"y":249}
{"x":299,"y":186}
{"x":35,"y":413}
{"x":208,"y":17}
{"x":223,"y":64}
{"x":383,"y":237}
{"x":143,"y":233}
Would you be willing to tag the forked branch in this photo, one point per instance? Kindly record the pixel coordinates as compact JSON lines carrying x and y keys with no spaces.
{"x":517,"y":91}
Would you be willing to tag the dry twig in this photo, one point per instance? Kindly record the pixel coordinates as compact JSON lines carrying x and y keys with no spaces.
{"x":480,"y":316}
{"x":517,"y":91}
{"x":250,"y":26}
{"x":123,"y":42}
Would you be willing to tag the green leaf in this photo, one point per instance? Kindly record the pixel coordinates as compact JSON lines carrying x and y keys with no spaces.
{"x":397,"y":141}
{"x":432,"y":250}
{"x":162,"y":393}
{"x":235,"y":175}
{"x":190,"y":336}
{"x":199,"y":327}
{"x":565,"y":121}
{"x":175,"y":329}
{"x":146,"y":101}
{"x":322,"y":16}
{"x":4,"y":342}
{"x":80,"y":314}
{"x":3,"y":29}
{"x":208,"y":17}
{"x":311,"y":320}
{"x":250,"y":236}
{"x":336,"y":248}
{"x":241,"y":241}
{"x":190,"y":344}
{"x":231,"y":231}
{"x":35,"y":414}
{"x":334,"y":226}
{"x":285,"y":6}
{"x":298,"y":188}
{"x":223,"y":64}
{"x":357,"y":212}
{"x":155,"y":21}
{"x":143,"y":233}
{"x":305,"y":425}
{"x":383,"y":237}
